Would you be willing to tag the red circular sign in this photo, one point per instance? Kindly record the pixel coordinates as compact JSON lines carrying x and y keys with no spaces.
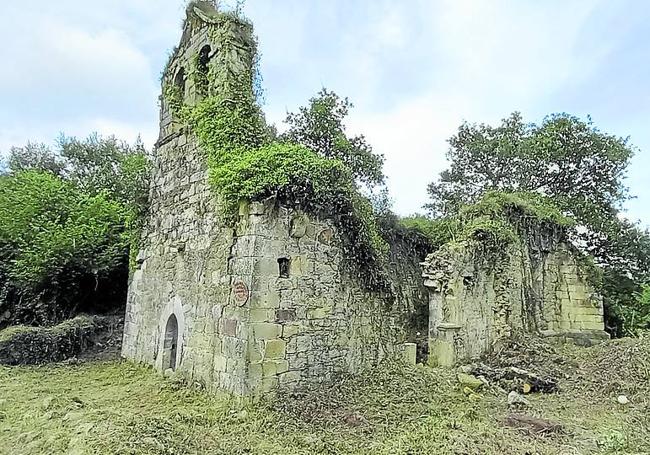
{"x":241,"y":293}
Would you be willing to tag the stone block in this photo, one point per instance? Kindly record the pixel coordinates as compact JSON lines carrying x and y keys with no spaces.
{"x":268,"y":299}
{"x":319,"y":313}
{"x":267,"y":385}
{"x":274,"y":367}
{"x":441,"y":353}
{"x":266,"y":330}
{"x":299,"y":225}
{"x":409,"y":353}
{"x":303,"y":343}
{"x":220,"y":363}
{"x":256,"y":208}
{"x":290,"y":377}
{"x":275,"y":349}
{"x":255,"y":351}
{"x":261,"y":315}
{"x":255,"y":371}
{"x":285,"y":315}
{"x":229,"y":327}
{"x":299,"y":265}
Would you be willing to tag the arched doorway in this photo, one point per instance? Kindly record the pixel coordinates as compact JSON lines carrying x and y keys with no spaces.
{"x":170,"y":345}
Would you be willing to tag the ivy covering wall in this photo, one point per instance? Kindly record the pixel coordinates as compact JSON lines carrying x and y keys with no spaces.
{"x":246,"y":162}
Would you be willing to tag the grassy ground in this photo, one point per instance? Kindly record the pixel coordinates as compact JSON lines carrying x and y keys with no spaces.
{"x":117,"y":407}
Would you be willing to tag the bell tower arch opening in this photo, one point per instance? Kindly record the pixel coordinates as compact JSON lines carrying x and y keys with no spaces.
{"x":179,"y":82}
{"x":205,"y":55}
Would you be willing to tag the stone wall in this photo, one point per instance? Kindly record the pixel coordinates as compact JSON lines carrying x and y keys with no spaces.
{"x":183,"y":270}
{"x":314,"y":319}
{"x":478,"y":298}
{"x":304,"y":322}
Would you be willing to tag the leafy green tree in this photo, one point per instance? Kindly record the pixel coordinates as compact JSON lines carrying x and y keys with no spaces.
{"x":627,"y":249}
{"x":65,"y":246}
{"x":578,"y":167}
{"x":94,"y":165}
{"x":35,"y":156}
{"x":62,"y":249}
{"x":564,"y":158}
{"x":319,"y":127}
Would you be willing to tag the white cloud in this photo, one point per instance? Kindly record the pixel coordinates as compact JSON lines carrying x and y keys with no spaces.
{"x":494,"y":57}
{"x":66,"y":77}
{"x":415,"y":70}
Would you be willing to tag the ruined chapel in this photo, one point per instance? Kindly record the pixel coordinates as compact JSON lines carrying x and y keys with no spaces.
{"x":270,"y":301}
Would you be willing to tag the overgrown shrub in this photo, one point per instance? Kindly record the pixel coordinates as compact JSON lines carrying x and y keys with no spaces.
{"x":21,"y":345}
{"x":497,"y":219}
{"x":62,"y":250}
{"x":68,"y":218}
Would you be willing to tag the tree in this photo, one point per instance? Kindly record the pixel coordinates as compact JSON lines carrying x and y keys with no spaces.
{"x":319,"y":127}
{"x":35,"y":156}
{"x":626,"y":248}
{"x":98,"y":164}
{"x":61,"y":249}
{"x":94,"y":165}
{"x":564,"y":158}
{"x":578,"y":167}
{"x":67,"y":217}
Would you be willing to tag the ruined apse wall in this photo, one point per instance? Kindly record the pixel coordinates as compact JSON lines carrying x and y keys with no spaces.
{"x":268,"y":301}
{"x":535,"y":286}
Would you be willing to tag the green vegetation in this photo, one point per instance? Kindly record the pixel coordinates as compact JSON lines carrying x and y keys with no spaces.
{"x":314,"y":167}
{"x":578,"y":169}
{"x":319,"y":127}
{"x":496,"y":220}
{"x":118,"y":407}
{"x":22,"y":345}
{"x":67,"y":221}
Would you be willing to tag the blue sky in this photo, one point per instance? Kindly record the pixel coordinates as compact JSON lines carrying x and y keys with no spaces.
{"x":414,"y":70}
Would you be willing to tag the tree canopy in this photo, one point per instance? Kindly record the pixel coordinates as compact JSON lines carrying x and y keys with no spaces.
{"x":319,"y":127}
{"x":67,"y":219}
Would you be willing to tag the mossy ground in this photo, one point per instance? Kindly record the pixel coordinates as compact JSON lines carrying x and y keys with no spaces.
{"x":118,"y":407}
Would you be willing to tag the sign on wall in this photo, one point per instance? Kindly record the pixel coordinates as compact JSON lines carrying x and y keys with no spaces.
{"x":241,"y":292}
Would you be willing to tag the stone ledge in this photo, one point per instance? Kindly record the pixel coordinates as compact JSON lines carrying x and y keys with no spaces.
{"x":579,"y":338}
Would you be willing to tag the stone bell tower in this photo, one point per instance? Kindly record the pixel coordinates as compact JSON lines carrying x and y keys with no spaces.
{"x":177,"y":310}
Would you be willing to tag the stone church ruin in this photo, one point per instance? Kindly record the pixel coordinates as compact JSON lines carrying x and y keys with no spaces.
{"x":271,"y":300}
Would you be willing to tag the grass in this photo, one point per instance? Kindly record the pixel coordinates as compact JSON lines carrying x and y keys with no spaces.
{"x":118,"y":407}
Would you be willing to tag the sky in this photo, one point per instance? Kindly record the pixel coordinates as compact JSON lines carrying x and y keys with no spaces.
{"x":415,"y":70}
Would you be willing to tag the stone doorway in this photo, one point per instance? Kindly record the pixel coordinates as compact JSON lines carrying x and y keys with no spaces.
{"x":170,"y":345}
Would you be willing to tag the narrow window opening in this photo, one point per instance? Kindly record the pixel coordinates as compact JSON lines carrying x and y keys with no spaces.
{"x":283,"y":266}
{"x":179,"y":81}
{"x":170,"y":345}
{"x":204,"y":59}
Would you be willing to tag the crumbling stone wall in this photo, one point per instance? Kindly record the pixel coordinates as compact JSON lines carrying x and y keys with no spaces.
{"x":307,"y":325}
{"x":478,"y":298}
{"x":315,"y":320}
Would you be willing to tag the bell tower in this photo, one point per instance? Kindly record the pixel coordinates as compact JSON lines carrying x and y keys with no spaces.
{"x":215,"y":53}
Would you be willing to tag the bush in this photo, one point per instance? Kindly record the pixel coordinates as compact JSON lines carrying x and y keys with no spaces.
{"x":496,"y":220}
{"x":633,"y":318}
{"x":62,"y":250}
{"x":20,"y":345}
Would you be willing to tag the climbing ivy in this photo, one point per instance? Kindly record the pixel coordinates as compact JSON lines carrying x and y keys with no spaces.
{"x":496,"y":221}
{"x":246,"y":163}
